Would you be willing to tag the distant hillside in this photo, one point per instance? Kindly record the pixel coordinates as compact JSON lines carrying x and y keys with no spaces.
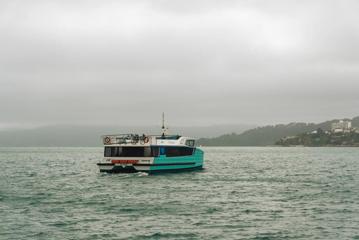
{"x":320,"y":138}
{"x":87,"y":136}
{"x":83,"y":136}
{"x":268,"y":135}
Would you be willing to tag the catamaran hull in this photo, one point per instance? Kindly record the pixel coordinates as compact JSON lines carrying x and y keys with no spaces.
{"x":148,"y":169}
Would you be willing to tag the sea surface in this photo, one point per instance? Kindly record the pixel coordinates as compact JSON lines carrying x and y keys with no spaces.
{"x":243,"y":193}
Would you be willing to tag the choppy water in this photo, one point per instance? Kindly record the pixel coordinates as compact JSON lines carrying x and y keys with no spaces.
{"x":244,"y":193}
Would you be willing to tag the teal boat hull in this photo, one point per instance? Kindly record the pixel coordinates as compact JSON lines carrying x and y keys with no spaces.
{"x":163,"y":163}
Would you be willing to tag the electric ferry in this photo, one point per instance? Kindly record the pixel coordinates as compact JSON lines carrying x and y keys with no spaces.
{"x":127,"y":153}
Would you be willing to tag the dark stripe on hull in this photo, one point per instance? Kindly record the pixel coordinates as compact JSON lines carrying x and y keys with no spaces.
{"x":131,"y":169}
{"x":156,"y":164}
{"x":178,"y":170}
{"x":120,"y":169}
{"x":166,"y":164}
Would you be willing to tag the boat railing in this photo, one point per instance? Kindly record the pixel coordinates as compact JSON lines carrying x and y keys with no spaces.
{"x":129,"y":138}
{"x":135,"y":139}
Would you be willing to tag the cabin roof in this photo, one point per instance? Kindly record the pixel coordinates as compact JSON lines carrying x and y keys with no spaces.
{"x":146,"y":140}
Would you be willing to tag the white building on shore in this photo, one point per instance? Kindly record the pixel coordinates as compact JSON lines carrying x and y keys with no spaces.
{"x":342,"y":126}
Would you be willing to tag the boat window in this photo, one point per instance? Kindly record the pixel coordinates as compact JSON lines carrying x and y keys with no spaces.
{"x":128,"y":152}
{"x":155,"y":151}
{"x":147,"y":151}
{"x":107,"y":152}
{"x":162,"y":150}
{"x":190,"y":143}
{"x":178,"y":151}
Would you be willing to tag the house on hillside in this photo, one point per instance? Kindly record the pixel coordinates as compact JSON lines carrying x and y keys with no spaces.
{"x":342,"y":126}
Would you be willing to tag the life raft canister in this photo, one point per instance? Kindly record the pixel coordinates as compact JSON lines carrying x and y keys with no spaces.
{"x":146,"y":139}
{"x":107,"y":140}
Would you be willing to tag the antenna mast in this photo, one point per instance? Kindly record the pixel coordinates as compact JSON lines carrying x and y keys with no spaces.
{"x":163,"y":124}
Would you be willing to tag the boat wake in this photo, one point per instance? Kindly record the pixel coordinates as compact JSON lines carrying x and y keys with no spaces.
{"x":142,"y":174}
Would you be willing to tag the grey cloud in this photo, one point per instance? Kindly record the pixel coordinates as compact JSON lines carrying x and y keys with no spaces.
{"x":203,"y":62}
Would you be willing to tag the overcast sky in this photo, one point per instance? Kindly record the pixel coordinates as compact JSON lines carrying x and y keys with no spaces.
{"x":202,"y":62}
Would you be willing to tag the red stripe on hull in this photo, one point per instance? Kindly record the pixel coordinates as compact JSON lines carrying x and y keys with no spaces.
{"x":124,"y":161}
